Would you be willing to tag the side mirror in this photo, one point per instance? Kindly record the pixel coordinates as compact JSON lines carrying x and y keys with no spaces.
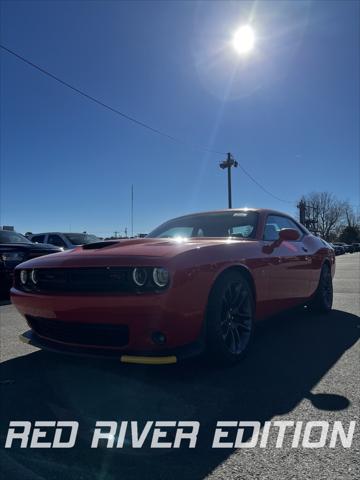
{"x":288,"y":234}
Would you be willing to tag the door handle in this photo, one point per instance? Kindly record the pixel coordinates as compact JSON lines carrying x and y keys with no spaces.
{"x":305,"y":249}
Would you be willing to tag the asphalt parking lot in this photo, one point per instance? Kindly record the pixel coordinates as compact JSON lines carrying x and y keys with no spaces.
{"x":302,"y":367}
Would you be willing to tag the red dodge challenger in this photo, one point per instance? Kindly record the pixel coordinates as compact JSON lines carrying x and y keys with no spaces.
{"x":195,"y":284}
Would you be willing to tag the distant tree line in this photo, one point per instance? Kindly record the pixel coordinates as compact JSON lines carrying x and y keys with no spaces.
{"x":331,"y":218}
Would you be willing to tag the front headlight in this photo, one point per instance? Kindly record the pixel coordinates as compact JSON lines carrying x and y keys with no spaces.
{"x":34,"y":276}
{"x":13,"y":256}
{"x":139,"y":276}
{"x":161,"y":277}
{"x":23,"y":276}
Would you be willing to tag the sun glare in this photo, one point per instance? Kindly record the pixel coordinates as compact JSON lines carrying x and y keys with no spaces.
{"x":244,"y":39}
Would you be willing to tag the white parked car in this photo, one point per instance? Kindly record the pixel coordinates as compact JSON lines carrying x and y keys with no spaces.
{"x":63,"y":240}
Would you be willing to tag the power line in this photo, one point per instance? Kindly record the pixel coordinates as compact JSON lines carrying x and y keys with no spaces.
{"x":134,"y":120}
{"x":109,"y":107}
{"x":262,"y":187}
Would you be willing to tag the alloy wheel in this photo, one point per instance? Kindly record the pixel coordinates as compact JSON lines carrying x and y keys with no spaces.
{"x":327,"y":288}
{"x":236,"y":317}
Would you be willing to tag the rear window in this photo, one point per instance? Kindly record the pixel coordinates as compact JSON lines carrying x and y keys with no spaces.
{"x":38,"y":238}
{"x":81,"y":238}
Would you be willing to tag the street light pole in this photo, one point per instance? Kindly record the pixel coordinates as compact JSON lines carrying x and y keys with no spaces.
{"x":228,"y":163}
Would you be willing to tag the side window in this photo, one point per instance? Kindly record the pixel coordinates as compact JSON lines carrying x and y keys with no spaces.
{"x":275,"y":223}
{"x":56,"y":240}
{"x":38,"y":239}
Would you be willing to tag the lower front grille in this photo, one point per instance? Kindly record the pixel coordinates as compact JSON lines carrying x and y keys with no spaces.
{"x":102,"y":335}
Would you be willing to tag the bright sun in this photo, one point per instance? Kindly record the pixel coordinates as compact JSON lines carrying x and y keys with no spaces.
{"x":244,"y":39}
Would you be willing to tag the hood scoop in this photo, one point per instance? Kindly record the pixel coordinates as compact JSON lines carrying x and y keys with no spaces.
{"x":98,"y":245}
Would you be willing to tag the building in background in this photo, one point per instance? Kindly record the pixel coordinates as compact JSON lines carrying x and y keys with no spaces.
{"x":10,"y":228}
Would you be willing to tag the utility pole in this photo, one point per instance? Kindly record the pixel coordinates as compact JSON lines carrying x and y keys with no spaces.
{"x":308,"y":216}
{"x":302,"y":211}
{"x":228,"y":163}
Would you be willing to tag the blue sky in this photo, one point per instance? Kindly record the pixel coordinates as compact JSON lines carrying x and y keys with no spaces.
{"x":289,"y":112}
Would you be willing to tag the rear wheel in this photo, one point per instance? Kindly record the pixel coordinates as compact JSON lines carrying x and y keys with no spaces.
{"x":323,"y":298}
{"x":230,"y":318}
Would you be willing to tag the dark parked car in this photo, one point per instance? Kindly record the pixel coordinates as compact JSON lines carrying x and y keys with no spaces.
{"x":14,"y":249}
{"x":65,"y":241}
{"x":339,"y":250}
{"x":341,"y":246}
{"x":356,"y":247}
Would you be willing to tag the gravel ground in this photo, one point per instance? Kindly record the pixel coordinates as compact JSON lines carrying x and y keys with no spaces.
{"x":302,"y":367}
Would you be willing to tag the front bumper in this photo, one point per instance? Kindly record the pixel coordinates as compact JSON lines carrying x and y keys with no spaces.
{"x":145,"y":358}
{"x":142,"y":315}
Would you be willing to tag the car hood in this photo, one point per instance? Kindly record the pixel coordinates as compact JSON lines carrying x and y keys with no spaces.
{"x":147,"y":250}
{"x":25,"y":247}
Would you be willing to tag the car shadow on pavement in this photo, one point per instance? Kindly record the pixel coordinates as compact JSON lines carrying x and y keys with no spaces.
{"x":290,"y":355}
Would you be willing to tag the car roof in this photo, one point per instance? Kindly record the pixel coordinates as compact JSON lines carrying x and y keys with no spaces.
{"x":59,"y":233}
{"x":228,"y":210}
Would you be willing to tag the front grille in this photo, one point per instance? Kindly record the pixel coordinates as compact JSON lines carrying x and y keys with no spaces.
{"x":102,"y":335}
{"x":86,"y":280}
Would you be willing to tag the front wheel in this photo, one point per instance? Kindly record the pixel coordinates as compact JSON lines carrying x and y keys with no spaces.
{"x":323,"y":298}
{"x":230,"y":318}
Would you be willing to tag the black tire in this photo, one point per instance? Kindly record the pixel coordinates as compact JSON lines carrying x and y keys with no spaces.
{"x":230,"y":319}
{"x":323,"y":298}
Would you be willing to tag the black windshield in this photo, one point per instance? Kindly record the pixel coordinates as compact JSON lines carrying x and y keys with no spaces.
{"x":12,"y":237}
{"x":239,"y":224}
